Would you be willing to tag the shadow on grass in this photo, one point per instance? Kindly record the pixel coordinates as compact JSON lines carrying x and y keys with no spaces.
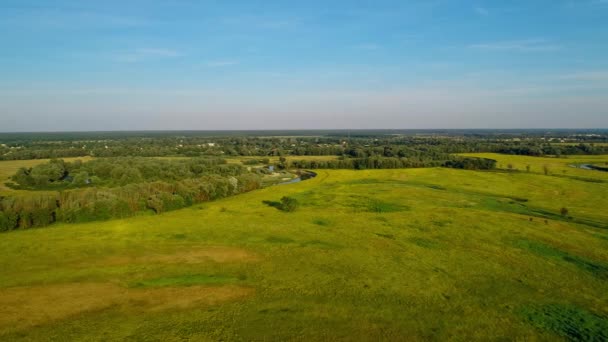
{"x":595,"y":268}
{"x":274,"y":204}
{"x":568,"y":321}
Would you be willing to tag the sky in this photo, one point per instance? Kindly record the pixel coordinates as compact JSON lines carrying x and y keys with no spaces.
{"x":72,"y":65}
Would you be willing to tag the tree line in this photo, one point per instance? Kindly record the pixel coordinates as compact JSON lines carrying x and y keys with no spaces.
{"x":377,"y":162}
{"x":359,"y":145}
{"x":106,"y":188}
{"x":59,"y":174}
{"x":37,"y":209}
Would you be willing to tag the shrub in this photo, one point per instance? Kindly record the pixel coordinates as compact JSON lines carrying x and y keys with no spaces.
{"x":289,"y":204}
{"x":8,"y":221}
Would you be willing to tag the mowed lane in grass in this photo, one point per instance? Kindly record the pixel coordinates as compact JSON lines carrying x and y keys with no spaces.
{"x":369,"y":255}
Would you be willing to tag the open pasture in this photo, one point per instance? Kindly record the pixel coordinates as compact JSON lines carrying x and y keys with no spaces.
{"x":409,"y":254}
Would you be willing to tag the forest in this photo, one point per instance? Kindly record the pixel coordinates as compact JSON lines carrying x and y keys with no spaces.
{"x":386,"y":143}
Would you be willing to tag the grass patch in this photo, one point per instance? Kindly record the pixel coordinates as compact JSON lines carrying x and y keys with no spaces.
{"x":376,"y":206}
{"x":286,"y":204}
{"x":554,"y":216}
{"x":442,"y":223}
{"x":515,"y":206}
{"x":279,"y":239}
{"x":386,"y":236}
{"x":582,"y":179}
{"x":370,"y":181}
{"x":321,"y":222}
{"x":186,"y":280}
{"x":436,"y":187}
{"x":320,"y":244}
{"x":597,"y":269}
{"x":424,"y":243}
{"x":567,"y":321}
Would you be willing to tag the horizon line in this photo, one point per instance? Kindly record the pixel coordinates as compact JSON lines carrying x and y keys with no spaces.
{"x":308,"y":129}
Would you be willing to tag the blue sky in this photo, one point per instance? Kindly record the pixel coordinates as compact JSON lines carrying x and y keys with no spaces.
{"x":105,"y":65}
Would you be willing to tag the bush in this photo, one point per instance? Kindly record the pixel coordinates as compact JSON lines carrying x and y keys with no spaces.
{"x":8,"y":221}
{"x":288,"y":204}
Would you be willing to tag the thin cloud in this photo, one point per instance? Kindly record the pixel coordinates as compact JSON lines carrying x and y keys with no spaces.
{"x":526,"y":45}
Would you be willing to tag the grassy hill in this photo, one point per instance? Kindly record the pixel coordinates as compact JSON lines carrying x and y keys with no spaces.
{"x":413,"y":254}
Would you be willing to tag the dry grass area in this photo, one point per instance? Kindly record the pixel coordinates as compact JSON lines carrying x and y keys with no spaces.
{"x":189,"y":255}
{"x":22,"y":307}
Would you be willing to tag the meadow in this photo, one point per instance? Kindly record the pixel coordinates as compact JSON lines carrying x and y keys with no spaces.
{"x":404,"y":254}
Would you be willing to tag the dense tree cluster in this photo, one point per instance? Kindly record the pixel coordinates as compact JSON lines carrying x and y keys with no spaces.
{"x":107,"y":188}
{"x":553,"y":150}
{"x":394,"y":163}
{"x":119,"y":171}
{"x":363,"y":163}
{"x":38,"y":209}
{"x":471,"y":163}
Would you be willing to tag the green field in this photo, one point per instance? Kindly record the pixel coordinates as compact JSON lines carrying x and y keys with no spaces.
{"x":558,"y":167}
{"x":410,"y":254}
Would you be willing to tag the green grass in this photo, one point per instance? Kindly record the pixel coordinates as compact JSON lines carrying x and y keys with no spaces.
{"x":595,"y":268}
{"x":568,"y":321}
{"x":556,"y":166}
{"x":376,"y":206}
{"x":186,"y":280}
{"x":321,"y":222}
{"x":424,"y":243}
{"x":422,"y":254}
{"x":279,"y":239}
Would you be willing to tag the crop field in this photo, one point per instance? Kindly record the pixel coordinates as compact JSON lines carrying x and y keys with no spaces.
{"x":403,"y":254}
